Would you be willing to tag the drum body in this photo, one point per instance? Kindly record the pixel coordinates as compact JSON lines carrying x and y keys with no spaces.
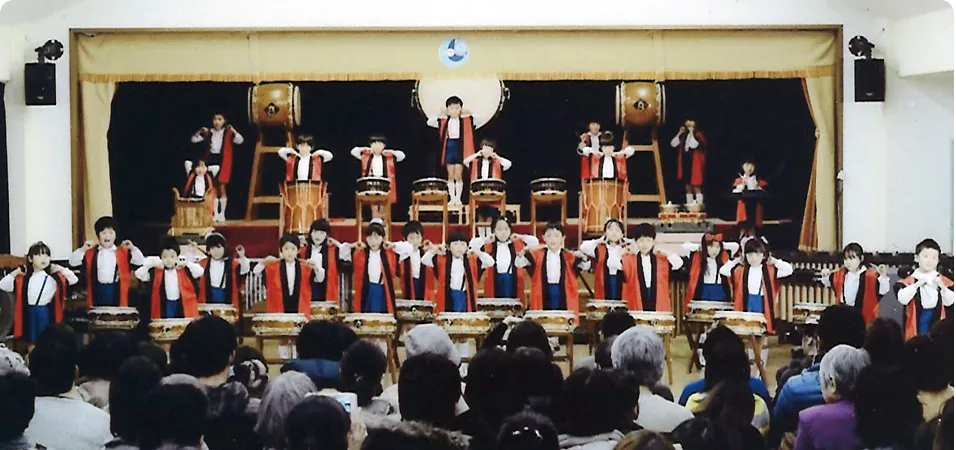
{"x":275,"y":105}
{"x":662,"y":322}
{"x":192,"y":215}
{"x":415,"y":311}
{"x":112,"y":318}
{"x":597,"y":309}
{"x":500,"y":308}
{"x":373,"y":186}
{"x":371,"y":324}
{"x":225,"y":312}
{"x":484,"y":97}
{"x":554,"y":322}
{"x":602,"y":200}
{"x":743,"y":323}
{"x":464,"y":324}
{"x":278,"y":324}
{"x":552,"y":186}
{"x":430,"y":186}
{"x":167,"y":330}
{"x":303,"y":202}
{"x":490,"y":186}
{"x":704,"y":311}
{"x":807,"y":313}
{"x":641,"y":103}
{"x":325,"y":311}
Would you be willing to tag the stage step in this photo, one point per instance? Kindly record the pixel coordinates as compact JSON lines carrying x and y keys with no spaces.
{"x":267,"y":199}
{"x":642,"y":148}
{"x":649,"y":198}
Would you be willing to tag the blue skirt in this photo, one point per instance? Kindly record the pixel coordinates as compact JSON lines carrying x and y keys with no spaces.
{"x":106,"y":295}
{"x":318,"y":291}
{"x":925,"y":321}
{"x":419,"y":284}
{"x":173,"y":309}
{"x":554,"y":297}
{"x":504,"y":285}
{"x":36,"y":319}
{"x":218,"y":296}
{"x":755,"y":303}
{"x":459,"y":302}
{"x":375,"y":299}
{"x":611,"y":288}
{"x":453,"y":152}
{"x":713,"y":293}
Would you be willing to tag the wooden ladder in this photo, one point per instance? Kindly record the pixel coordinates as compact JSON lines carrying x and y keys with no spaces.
{"x":256,"y":198}
{"x":661,"y":196}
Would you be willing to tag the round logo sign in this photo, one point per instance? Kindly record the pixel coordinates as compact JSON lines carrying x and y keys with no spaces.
{"x":453,"y":52}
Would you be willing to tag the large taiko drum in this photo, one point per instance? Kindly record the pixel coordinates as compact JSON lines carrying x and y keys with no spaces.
{"x":275,"y":105}
{"x":602,"y":200}
{"x":640,"y":104}
{"x":303,"y":202}
{"x":484,"y":97}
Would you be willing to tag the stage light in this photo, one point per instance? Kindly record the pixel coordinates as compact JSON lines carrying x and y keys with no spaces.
{"x":861,"y":47}
{"x":51,"y":50}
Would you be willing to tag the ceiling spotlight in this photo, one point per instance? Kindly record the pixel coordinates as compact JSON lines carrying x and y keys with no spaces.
{"x":52,"y":50}
{"x":861,"y":47}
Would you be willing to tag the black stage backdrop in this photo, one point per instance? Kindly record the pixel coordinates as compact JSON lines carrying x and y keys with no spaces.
{"x":537,"y":129}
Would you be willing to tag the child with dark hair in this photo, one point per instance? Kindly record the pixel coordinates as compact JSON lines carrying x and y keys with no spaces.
{"x":590,"y":143}
{"x":504,"y":280}
{"x":362,"y":368}
{"x":456,"y":273}
{"x":606,"y":163}
{"x":222,"y":276}
{"x":755,"y":285}
{"x":491,"y":388}
{"x":648,"y":289}
{"x":706,"y":258}
{"x":749,"y":212}
{"x":596,"y":408}
{"x":135,"y":378}
{"x":528,"y":431}
{"x":177,"y":418}
{"x":691,"y":148}
{"x":429,"y":387}
{"x":16,"y":410}
{"x":855,"y":284}
{"x":107,"y":267}
{"x":219,"y":143}
{"x":927,"y":361}
{"x":249,"y":368}
{"x":323,"y":251}
{"x":884,"y":341}
{"x":926,"y":295}
{"x":418,"y":283}
{"x":155,"y":354}
{"x":40,"y":293}
{"x":99,"y":365}
{"x":318,"y":422}
{"x":456,"y":131}
{"x":609,"y":271}
{"x":288,"y":280}
{"x":173,"y":294}
{"x":886,"y":407}
{"x":199,"y":183}
{"x":378,"y":161}
{"x":553,"y":270}
{"x":304,"y":162}
{"x":374,"y":265}
{"x":319,"y":347}
{"x":488,"y":163}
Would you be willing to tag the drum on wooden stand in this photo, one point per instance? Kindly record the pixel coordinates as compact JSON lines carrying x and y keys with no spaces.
{"x":602,"y":200}
{"x":380,"y":329}
{"x":372,"y":187}
{"x":597,"y":309}
{"x":191,"y":215}
{"x":457,"y":324}
{"x":165,"y":331}
{"x":278,"y":324}
{"x":275,"y":105}
{"x":224,"y":311}
{"x":549,"y":186}
{"x":483,"y":97}
{"x":662,"y":322}
{"x":807,"y":313}
{"x":498,"y":309}
{"x":429,"y":187}
{"x":703,"y":311}
{"x":488,"y":187}
{"x":752,"y":327}
{"x":112,"y":318}
{"x":325,"y":311}
{"x":414,"y":311}
{"x":554,"y":321}
{"x":640,"y":104}
{"x":303,"y":202}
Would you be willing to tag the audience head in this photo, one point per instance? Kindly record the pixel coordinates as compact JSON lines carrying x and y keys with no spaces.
{"x":12,"y":362}
{"x":431,"y":338}
{"x":942,"y":333}
{"x":205,"y":348}
{"x":16,"y":410}
{"x":53,"y":360}
{"x":528,"y":431}
{"x":315,"y":423}
{"x":884,"y":341}
{"x":644,"y":440}
{"x":322,"y":339}
{"x":249,"y":368}
{"x":528,"y":333}
{"x":839,"y":370}
{"x":886,"y":407}
{"x":280,"y":396}
{"x":597,"y":401}
{"x":706,"y":433}
{"x":362,"y":368}
{"x":154,"y":354}
{"x":937,"y":434}
{"x":491,"y":387}
{"x":616,"y":322}
{"x":840,"y":324}
{"x":535,"y":374}
{"x":602,"y":353}
{"x":176,"y":416}
{"x":927,"y":361}
{"x":640,"y":351}
{"x":730,"y":402}
{"x":104,"y":355}
{"x":135,"y":378}
{"x":727,"y":361}
{"x":429,"y":387}
{"x":718,"y":335}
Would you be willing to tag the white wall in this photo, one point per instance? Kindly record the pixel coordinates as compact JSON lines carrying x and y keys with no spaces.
{"x":922,"y":44}
{"x":45,"y":131}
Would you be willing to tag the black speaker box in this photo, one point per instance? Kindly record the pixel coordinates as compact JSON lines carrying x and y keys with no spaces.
{"x":869,"y":80}
{"x":40,"y":83}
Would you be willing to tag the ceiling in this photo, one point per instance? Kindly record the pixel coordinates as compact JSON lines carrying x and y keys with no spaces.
{"x":894,"y":9}
{"x":26,"y":11}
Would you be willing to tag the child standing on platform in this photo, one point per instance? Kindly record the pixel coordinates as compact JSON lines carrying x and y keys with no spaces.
{"x":173,"y":294}
{"x":39,"y":293}
{"x":650,"y":290}
{"x":456,"y":129}
{"x":378,"y":161}
{"x":304,"y":162}
{"x":553,"y":270}
{"x":417,"y":281}
{"x":590,"y":143}
{"x":288,"y":280}
{"x":219,"y":141}
{"x":374,"y":264}
{"x":926,"y":295}
{"x":749,"y":211}
{"x":222,"y":276}
{"x":856,"y":285}
{"x":456,"y":274}
{"x":323,"y":251}
{"x":504,"y":279}
{"x":609,"y":274}
{"x":706,"y":259}
{"x":691,"y":159}
{"x":107,"y":267}
{"x":755,"y":286}
{"x":606,"y":163}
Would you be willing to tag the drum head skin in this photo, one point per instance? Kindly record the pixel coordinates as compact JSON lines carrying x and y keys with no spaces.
{"x":483,"y":97}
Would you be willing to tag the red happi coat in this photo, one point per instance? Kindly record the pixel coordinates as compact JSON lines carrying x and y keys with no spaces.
{"x":467,"y":136}
{"x":620,"y":166}
{"x":360,"y":277}
{"x":330,"y":262}
{"x":660,"y":289}
{"x":225,"y":170}
{"x":539,"y":280}
{"x":495,"y":171}
{"x":277,"y":287}
{"x":187,"y":293}
{"x":515,"y":247}
{"x":601,"y":273}
{"x":122,"y":268}
{"x":740,"y":289}
{"x":589,"y":142}
{"x":910,"y":312}
{"x":389,"y":171}
{"x":315,"y":168}
{"x":698,"y":264}
{"x":443,"y":280}
{"x":867,"y":297}
{"x":742,"y":208}
{"x":191,"y":180}
{"x":698,"y":159}
{"x":231,"y":279}
{"x":408,"y":287}
{"x":20,"y":305}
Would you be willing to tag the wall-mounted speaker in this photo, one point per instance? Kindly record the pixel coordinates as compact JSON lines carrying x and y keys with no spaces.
{"x":40,"y":83}
{"x":869,"y":80}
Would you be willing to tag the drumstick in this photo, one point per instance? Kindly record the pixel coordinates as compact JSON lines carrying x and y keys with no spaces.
{"x":586,"y":285}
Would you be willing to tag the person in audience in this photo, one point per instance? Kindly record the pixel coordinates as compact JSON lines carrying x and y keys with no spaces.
{"x":155,"y":354}
{"x":11,"y":361}
{"x":61,"y":419}
{"x":925,"y":358}
{"x":602,"y":354}
{"x":613,"y":324}
{"x":176,"y":418}
{"x":205,"y":350}
{"x":886,"y":407}
{"x":884,"y":341}
{"x":644,"y":440}
{"x":362,"y":367}
{"x":728,"y":363}
{"x":937,"y":434}
{"x":707,"y":433}
{"x":942,"y":333}
{"x":491,"y":388}
{"x":16,"y":410}
{"x":280,"y":397}
{"x":320,"y":347}
{"x":832,"y":426}
{"x":433,"y":339}
{"x":596,"y":408}
{"x":640,"y":351}
{"x":839,"y":324}
{"x":528,"y":431}
{"x":539,"y":380}
{"x":731,"y":405}
{"x":527,"y":333}
{"x":317,"y":422}
{"x":134,"y":379}
{"x":414,"y":436}
{"x":715,"y":337}
{"x":99,"y":364}
{"x":249,"y":368}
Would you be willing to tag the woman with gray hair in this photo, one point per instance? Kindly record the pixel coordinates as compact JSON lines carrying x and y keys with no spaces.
{"x":833,"y":425}
{"x":640,"y":351}
{"x":280,"y":396}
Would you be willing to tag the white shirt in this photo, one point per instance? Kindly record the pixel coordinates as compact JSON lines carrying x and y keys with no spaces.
{"x":457,"y":275}
{"x":377,"y":162}
{"x":318,"y":274}
{"x":503,"y":252}
{"x":929,"y":293}
{"x":484,"y":170}
{"x":170,"y":279}
{"x":199,"y":186}
{"x":215,"y":139}
{"x":303,"y":163}
{"x":607,"y":166}
{"x":755,"y":277}
{"x":40,"y":286}
{"x":851,"y":285}
{"x":374,"y":266}
{"x":658,"y":414}
{"x":106,"y":269}
{"x":217,"y":268}
{"x":711,"y":272}
{"x":750,"y":183}
{"x":553,"y":265}
{"x":690,"y":144}
{"x":672,"y":258}
{"x":406,"y":250}
{"x":593,"y":141}
{"x":614,"y":262}
{"x":453,"y":126}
